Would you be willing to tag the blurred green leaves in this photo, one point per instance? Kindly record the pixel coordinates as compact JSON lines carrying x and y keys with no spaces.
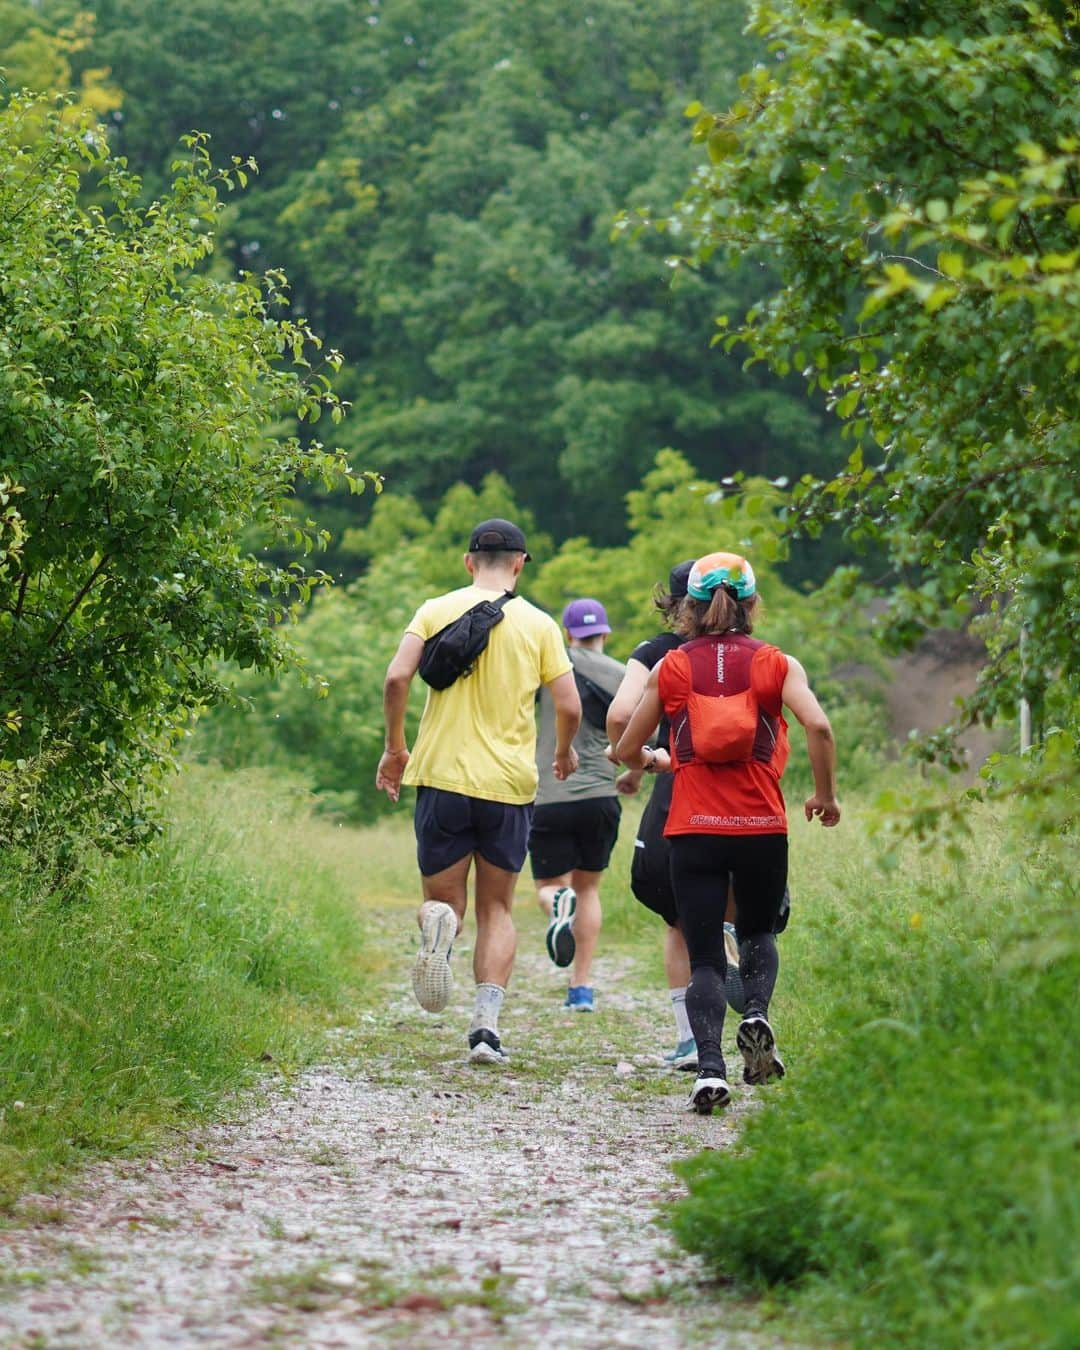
{"x":439,"y":180}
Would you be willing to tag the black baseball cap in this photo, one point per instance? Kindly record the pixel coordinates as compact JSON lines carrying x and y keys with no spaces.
{"x":498,"y":536}
{"x":678,"y":579}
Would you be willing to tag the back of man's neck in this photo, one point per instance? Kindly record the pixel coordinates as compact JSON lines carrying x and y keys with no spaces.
{"x":495,"y":581}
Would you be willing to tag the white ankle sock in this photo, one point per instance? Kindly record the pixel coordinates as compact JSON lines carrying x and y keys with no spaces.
{"x":682,"y":1022}
{"x":489,"y":1000}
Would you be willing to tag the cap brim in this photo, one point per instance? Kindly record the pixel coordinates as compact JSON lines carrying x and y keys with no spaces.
{"x":501,"y":549}
{"x":590,"y":631}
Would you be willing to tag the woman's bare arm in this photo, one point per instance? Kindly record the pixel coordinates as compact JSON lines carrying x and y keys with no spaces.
{"x":626,"y":698}
{"x":820,"y":745}
{"x":642,"y":725}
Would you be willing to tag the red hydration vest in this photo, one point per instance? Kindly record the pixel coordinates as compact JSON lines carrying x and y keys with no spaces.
{"x":729,"y":742}
{"x":726,"y":707}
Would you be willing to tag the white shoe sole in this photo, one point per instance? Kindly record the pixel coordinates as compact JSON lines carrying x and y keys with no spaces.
{"x":432,"y":978}
{"x":757,"y":1043}
{"x":731,"y":948}
{"x":485,"y":1054}
{"x":707,"y":1094}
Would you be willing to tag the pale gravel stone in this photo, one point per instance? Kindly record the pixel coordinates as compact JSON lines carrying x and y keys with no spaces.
{"x":393,"y":1181}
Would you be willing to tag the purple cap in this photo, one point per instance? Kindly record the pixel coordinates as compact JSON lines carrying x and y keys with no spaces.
{"x":585,"y":618}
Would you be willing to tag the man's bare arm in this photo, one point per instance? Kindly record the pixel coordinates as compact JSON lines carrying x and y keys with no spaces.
{"x":565,"y":697}
{"x":399,"y":677}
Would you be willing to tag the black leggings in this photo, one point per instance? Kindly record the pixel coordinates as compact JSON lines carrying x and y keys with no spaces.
{"x":700,"y":866}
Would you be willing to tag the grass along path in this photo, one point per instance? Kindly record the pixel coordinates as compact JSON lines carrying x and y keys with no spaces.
{"x":402,"y":1195}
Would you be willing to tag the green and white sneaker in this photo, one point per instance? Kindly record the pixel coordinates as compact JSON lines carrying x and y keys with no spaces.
{"x":432,"y":979}
{"x":684,"y":1056}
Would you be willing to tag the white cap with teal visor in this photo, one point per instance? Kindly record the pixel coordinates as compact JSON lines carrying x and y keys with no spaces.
{"x":721,"y":569}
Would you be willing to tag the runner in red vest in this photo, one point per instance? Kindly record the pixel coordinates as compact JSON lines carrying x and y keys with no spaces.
{"x":723,"y":693}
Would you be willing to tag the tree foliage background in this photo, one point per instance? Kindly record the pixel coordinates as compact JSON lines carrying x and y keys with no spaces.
{"x":912,"y":175}
{"x":885,"y":220}
{"x":439,"y":181}
{"x":138,"y":394}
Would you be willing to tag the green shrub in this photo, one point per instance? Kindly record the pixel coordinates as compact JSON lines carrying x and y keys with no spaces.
{"x":137,"y":991}
{"x":914,"y":1177}
{"x":139,"y":465}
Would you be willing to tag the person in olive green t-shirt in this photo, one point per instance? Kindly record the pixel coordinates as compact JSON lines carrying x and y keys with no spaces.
{"x":474,"y":769}
{"x":576,"y":821}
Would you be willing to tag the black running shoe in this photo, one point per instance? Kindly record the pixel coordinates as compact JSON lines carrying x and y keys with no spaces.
{"x":560,"y":933}
{"x":486,"y":1048}
{"x":709,"y":1091}
{"x":758,"y":1045}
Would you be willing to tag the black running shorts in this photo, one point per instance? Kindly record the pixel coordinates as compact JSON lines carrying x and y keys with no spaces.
{"x":450,"y":826}
{"x":650,"y":870}
{"x":569,"y":835}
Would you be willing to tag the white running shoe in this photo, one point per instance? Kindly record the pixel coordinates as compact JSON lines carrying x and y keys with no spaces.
{"x":710,"y":1090}
{"x":486,"y":1048}
{"x":758,"y":1045}
{"x":432,"y":979}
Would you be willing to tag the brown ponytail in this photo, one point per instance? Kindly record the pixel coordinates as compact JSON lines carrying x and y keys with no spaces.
{"x":722,"y":614}
{"x":669,"y":606}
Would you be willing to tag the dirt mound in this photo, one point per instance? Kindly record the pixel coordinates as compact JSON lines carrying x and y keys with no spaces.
{"x":928,"y":683}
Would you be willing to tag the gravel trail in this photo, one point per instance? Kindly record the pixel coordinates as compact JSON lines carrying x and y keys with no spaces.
{"x":399,"y":1195}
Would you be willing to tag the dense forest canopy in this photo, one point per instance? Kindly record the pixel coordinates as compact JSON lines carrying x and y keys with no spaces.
{"x":439,"y":181}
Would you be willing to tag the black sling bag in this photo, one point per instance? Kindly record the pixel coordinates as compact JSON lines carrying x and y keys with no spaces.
{"x":453,"y":650}
{"x":595,"y":701}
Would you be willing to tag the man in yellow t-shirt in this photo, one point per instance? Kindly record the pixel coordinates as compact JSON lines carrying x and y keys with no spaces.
{"x":474,"y":769}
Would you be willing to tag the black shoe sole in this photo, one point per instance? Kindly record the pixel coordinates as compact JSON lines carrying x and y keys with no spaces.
{"x":757,"y":1043}
{"x":733,"y":992}
{"x":561,"y":945}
